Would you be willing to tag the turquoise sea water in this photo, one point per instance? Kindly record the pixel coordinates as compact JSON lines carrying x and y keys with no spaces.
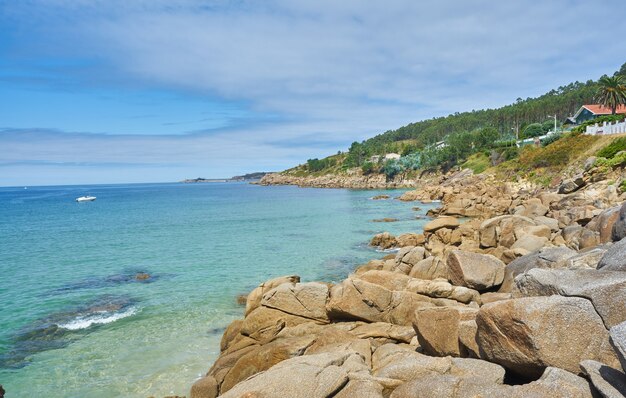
{"x":75,"y":322}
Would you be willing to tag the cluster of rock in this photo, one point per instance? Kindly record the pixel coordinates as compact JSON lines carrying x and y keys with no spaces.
{"x":526,"y":299}
{"x":353,"y":179}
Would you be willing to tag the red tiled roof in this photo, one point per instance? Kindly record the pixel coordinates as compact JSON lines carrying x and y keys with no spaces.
{"x":602,"y":110}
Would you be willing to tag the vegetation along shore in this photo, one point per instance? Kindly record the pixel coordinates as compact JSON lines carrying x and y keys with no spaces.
{"x":515,"y":288}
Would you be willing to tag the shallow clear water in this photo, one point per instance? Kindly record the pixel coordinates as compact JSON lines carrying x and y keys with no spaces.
{"x":75,"y":322}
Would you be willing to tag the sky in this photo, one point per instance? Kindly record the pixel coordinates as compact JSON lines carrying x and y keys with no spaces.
{"x":114,"y":91}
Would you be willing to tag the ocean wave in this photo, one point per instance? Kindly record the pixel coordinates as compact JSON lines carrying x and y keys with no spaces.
{"x":100,"y":318}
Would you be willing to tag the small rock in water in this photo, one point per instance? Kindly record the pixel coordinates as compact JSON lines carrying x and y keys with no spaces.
{"x":386,"y":219}
{"x":142,"y":276}
{"x":2,"y":391}
{"x":381,"y":197}
{"x":416,"y":209}
{"x":242,"y":299}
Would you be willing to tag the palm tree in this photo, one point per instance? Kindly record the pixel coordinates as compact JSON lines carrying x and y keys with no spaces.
{"x":612,"y":92}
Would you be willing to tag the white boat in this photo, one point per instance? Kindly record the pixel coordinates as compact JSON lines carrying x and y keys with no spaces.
{"x":86,"y":199}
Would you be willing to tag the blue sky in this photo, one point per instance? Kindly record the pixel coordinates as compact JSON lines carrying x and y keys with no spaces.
{"x":100,"y":91}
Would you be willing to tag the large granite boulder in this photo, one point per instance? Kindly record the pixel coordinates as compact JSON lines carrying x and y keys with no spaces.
{"x":310,"y":376}
{"x":429,"y":268}
{"x":571,"y":184}
{"x":307,"y":300}
{"x":618,"y":340}
{"x":605,"y":290}
{"x":611,"y":383}
{"x":439,"y":330}
{"x":442,"y":222}
{"x":407,"y":257}
{"x":526,"y":335}
{"x":554,"y":383}
{"x":615,"y":257}
{"x":548,"y":257}
{"x":474,"y":270}
{"x":254,"y":298}
{"x":356,"y":299}
{"x":619,"y":226}
{"x":384,"y":240}
{"x":263,"y":324}
{"x":500,"y":230}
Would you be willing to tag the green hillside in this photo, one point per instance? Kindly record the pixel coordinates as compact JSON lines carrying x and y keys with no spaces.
{"x":468,"y":136}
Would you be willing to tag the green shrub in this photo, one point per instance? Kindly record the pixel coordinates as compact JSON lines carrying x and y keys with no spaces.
{"x":411,"y":161}
{"x":622,"y":186}
{"x":533,"y":130}
{"x":613,"y":148}
{"x":391,"y":168}
{"x":550,"y":139}
{"x":368,"y":168}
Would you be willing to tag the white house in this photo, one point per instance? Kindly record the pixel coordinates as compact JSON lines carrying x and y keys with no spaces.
{"x":390,"y":156}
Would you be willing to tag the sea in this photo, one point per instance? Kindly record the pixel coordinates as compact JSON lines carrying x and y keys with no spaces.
{"x":75,"y":321}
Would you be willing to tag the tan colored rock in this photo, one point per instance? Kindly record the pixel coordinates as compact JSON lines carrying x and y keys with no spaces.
{"x":264,"y":323}
{"x":410,"y":239}
{"x":440,"y":288}
{"x":206,"y":387}
{"x":429,"y":268}
{"x":264,"y":357}
{"x":384,"y":240}
{"x":527,"y":335}
{"x":307,"y":300}
{"x":407,"y":257}
{"x":530,"y":243}
{"x":255,"y":296}
{"x":442,"y":222}
{"x":232,"y":330}
{"x":387,"y":279}
{"x":605,"y":290}
{"x":610,"y":382}
{"x":309,"y":376}
{"x":474,"y":270}
{"x":438,"y":330}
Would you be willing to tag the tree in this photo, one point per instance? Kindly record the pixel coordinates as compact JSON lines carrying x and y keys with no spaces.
{"x":533,"y":130}
{"x":612,"y":92}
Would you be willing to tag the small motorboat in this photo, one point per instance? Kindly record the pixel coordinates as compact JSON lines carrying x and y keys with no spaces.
{"x":86,"y":199}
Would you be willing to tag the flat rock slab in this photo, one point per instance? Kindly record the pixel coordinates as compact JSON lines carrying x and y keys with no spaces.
{"x":474,"y":270}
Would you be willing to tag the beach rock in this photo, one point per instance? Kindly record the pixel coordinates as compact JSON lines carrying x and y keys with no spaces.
{"x":362,"y":388}
{"x":263,"y":324}
{"x":440,"y":288}
{"x":572,"y":184}
{"x":429,"y":268}
{"x":611,"y":383}
{"x":586,"y":259}
{"x":383,"y":330}
{"x":407,"y":257}
{"x":381,"y":197}
{"x":356,"y":299}
{"x":142,"y":276}
{"x":500,"y":230}
{"x":384,"y":240}
{"x":438,"y":330}
{"x":264,"y":357}
{"x":615,"y":257}
{"x":2,"y":392}
{"x":605,"y":290}
{"x":532,"y":208}
{"x":310,"y":376}
{"x":232,"y":330}
{"x":547,"y":257}
{"x":441,"y":222}
{"x":530,"y":243}
{"x":618,"y":340}
{"x":307,"y":300}
{"x":206,"y":387}
{"x":410,"y":239}
{"x":255,"y":296}
{"x":604,"y":224}
{"x":526,"y":335}
{"x":619,"y":227}
{"x":474,"y":270}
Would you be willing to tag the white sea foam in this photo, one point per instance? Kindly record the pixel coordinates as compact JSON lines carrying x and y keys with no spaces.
{"x":100,"y":318}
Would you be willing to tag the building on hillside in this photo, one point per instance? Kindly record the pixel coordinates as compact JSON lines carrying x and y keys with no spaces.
{"x":588,"y":112}
{"x":375,"y":158}
{"x":390,"y":156}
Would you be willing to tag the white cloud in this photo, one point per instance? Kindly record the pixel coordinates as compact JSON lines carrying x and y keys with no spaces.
{"x":335,"y":71}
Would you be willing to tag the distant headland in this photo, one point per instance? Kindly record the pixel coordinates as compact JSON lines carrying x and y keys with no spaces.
{"x":246,"y":177}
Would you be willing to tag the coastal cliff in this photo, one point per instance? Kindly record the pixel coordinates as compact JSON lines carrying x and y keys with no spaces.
{"x":511,"y":290}
{"x":349,"y":180}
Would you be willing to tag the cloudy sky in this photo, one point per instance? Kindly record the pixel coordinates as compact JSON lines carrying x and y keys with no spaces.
{"x":99,"y":91}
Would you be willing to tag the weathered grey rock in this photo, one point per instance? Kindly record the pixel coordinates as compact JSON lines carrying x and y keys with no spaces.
{"x":572,"y":184}
{"x":611,"y":383}
{"x":605,"y":290}
{"x":307,"y":300}
{"x":619,"y":227}
{"x":309,"y":376}
{"x":585,"y":259}
{"x":618,"y":340}
{"x":530,"y":243}
{"x":548,"y":257}
{"x":253,"y":300}
{"x":474,"y":270}
{"x":429,"y":268}
{"x":615,"y":257}
{"x":529,"y":334}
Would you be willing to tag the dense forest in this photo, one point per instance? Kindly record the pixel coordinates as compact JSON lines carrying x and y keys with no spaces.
{"x":466,"y":132}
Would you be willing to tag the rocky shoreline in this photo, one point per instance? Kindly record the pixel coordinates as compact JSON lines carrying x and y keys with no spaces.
{"x":510,"y":291}
{"x":352,"y":180}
